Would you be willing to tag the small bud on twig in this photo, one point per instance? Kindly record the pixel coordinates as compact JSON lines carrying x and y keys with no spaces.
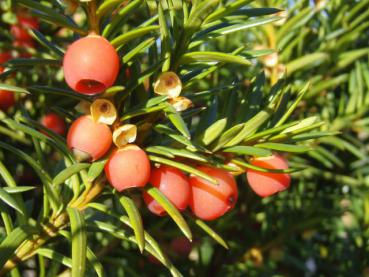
{"x":180,"y":103}
{"x":124,"y":135}
{"x":168,"y":84}
{"x":103,"y":111}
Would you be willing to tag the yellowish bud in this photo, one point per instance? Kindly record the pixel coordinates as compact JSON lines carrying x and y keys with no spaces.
{"x":255,"y":256}
{"x":320,"y":4}
{"x":103,"y":111}
{"x":271,"y":60}
{"x":180,"y":103}
{"x":124,"y":135}
{"x":168,"y":84}
{"x":284,"y":15}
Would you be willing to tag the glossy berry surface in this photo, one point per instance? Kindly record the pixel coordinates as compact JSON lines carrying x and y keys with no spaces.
{"x":173,"y":184}
{"x":88,"y":139}
{"x":7,"y":100}
{"x":91,"y":65}
{"x":54,"y":122}
{"x":128,"y":167}
{"x":19,"y":30}
{"x":265,"y":184}
{"x":210,"y":201}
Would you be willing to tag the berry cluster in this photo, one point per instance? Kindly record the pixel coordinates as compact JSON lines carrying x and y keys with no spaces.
{"x":90,"y":138}
{"x":22,"y":41}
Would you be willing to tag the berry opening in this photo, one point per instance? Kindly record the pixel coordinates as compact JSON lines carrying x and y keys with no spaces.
{"x":105,"y":108}
{"x":89,"y":86}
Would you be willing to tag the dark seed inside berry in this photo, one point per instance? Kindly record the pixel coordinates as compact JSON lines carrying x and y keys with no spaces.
{"x":104,"y":108}
{"x":169,"y":82}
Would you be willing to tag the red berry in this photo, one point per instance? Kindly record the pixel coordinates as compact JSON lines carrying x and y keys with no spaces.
{"x":128,"y":73}
{"x":4,"y":57}
{"x":210,"y":201}
{"x":7,"y":100}
{"x":24,"y":44}
{"x":88,"y":139}
{"x":265,"y":183}
{"x":54,"y":122}
{"x":181,"y":246}
{"x":19,"y":30}
{"x":173,"y":184}
{"x":91,"y":65}
{"x":128,"y":167}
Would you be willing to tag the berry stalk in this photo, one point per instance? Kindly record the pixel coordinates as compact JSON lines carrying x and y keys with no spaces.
{"x":92,"y":17}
